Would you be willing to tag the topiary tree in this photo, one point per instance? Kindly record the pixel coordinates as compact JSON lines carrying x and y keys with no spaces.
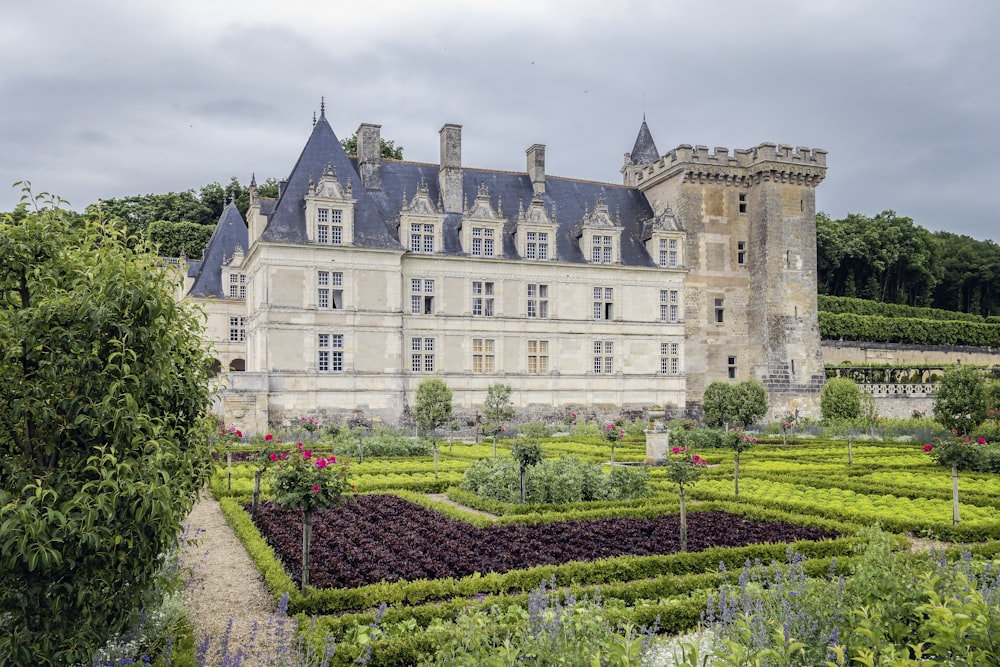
{"x":527,"y":452}
{"x":840,"y":398}
{"x":498,"y":408}
{"x":432,"y":410}
{"x":103,"y":440}
{"x":734,"y":405}
{"x":960,"y":399}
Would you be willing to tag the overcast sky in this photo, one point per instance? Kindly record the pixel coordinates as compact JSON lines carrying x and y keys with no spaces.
{"x":109,"y":98}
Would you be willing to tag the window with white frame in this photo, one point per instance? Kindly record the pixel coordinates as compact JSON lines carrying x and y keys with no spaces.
{"x":329,"y":226}
{"x":670,"y":359}
{"x":421,"y":237}
{"x":537,"y":245}
{"x":422,"y":355}
{"x":603,"y":357}
{"x":421,"y":296}
{"x":538,"y":356}
{"x":483,"y":355}
{"x":237,"y":329}
{"x":237,"y":286}
{"x":669,"y":305}
{"x":330,"y":353}
{"x":329,"y":290}
{"x":602,"y":249}
{"x":482,"y":242}
{"x":604,"y":303}
{"x":482,"y":298}
{"x":538,"y":300}
{"x":669,"y":254}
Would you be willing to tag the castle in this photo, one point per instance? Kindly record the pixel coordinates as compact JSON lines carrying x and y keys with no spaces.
{"x":367,"y":275}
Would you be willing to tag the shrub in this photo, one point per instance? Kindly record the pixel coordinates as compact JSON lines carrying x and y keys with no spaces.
{"x":103,"y":383}
{"x":960,"y":399}
{"x":840,"y":398}
{"x":536,"y":430}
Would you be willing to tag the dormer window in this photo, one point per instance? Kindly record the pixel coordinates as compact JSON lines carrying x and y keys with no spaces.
{"x":665,"y":250}
{"x":238,"y":286}
{"x":330,"y":210}
{"x":602,"y":249}
{"x":537,"y":245}
{"x":535,"y":233}
{"x":482,"y":242}
{"x":422,"y":237}
{"x":600,"y":235}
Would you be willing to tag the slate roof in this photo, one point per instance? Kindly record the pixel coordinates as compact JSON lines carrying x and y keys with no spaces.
{"x":229,"y":232}
{"x":644,"y":151}
{"x":376,"y":213}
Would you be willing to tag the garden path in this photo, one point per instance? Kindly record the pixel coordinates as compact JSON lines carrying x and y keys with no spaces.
{"x":445,"y":500}
{"x":225,"y":585}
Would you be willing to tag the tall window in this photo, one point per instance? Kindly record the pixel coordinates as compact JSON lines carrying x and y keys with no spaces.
{"x":482,"y":355}
{"x":538,"y":300}
{"x":329,"y":292}
{"x":743,"y":202}
{"x":329,"y":226}
{"x":741,"y":252}
{"x":731,"y":365}
{"x":421,"y":296}
{"x":237,"y":286}
{"x":330,"y":353}
{"x":538,"y":356}
{"x":669,"y":305}
{"x":602,"y":251}
{"x":537,"y":245}
{"x":672,"y":253}
{"x":482,"y":299}
{"x":421,"y":237}
{"x":603,"y":357}
{"x":237,"y":329}
{"x":482,"y":242}
{"x":720,"y":311}
{"x":422,"y":355}
{"x":604,"y":303}
{"x":670,"y":363}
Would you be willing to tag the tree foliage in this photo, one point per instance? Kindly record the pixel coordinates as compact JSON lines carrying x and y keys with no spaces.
{"x":840,"y":398}
{"x":498,"y":406}
{"x":888,"y":258}
{"x":388,"y":148}
{"x":734,"y":405}
{"x":432,"y":405}
{"x":960,"y":399}
{"x":103,"y":444}
{"x":173,"y":239}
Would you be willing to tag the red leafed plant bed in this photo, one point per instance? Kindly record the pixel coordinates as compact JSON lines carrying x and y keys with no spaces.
{"x":383,"y":537}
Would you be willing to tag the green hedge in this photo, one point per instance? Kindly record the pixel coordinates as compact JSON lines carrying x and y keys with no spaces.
{"x":848,"y":305}
{"x":833,"y":326}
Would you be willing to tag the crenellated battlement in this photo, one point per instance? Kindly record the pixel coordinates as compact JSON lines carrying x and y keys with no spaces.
{"x":767,"y":160}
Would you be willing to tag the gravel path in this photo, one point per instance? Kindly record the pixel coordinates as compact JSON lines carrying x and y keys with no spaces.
{"x":225,"y":586}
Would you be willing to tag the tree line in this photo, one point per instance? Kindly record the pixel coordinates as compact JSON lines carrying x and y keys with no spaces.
{"x":890,"y":259}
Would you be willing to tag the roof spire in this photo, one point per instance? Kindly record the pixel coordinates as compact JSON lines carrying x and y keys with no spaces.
{"x":322,"y":108}
{"x":644,"y":151}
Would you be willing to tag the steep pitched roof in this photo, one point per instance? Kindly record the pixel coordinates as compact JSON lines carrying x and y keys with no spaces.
{"x":644,"y":151}
{"x":230,"y":232}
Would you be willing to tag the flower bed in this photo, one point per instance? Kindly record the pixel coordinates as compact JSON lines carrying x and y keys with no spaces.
{"x":383,"y":537}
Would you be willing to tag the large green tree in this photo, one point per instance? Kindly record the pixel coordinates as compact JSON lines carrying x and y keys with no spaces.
{"x":104,"y":389}
{"x":734,"y":405}
{"x":960,"y":400}
{"x":387,"y":148}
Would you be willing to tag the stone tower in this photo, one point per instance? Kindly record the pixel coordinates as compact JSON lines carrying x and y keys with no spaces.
{"x":750,"y":295}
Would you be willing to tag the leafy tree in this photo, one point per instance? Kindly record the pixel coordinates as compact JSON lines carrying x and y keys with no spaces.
{"x":432,"y":410}
{"x":173,"y":239}
{"x":527,"y":452}
{"x":498,"y":408}
{"x":840,"y":398}
{"x":960,"y":399}
{"x":103,"y":441}
{"x":388,"y":149}
{"x":734,"y":405}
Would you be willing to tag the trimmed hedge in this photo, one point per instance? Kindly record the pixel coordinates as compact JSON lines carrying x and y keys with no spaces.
{"x":848,"y":305}
{"x":873,"y":328}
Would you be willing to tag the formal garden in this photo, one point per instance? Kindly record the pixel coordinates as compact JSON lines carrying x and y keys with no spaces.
{"x":849,"y":540}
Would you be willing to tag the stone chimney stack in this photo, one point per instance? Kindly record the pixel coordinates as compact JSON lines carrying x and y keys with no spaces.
{"x":450,"y":171}
{"x":536,"y":168}
{"x":370,"y":155}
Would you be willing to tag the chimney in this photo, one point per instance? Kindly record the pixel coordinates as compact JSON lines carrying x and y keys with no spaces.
{"x":536,"y":168}
{"x":370,"y":155}
{"x":450,"y":171}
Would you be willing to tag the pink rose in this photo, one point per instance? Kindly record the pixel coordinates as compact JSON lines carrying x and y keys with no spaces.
{"x":274,"y":456}
{"x":306,"y":454}
{"x":268,"y":438}
{"x":320,"y":463}
{"x":981,"y":441}
{"x":928,"y":447}
{"x":239,"y":434}
{"x":675,"y":450}
{"x":315,"y":488}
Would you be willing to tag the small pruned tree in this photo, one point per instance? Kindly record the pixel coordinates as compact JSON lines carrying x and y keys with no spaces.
{"x":960,"y":399}
{"x":527,"y":452}
{"x":840,"y":398}
{"x":683,"y":469}
{"x":498,"y":408}
{"x":432,"y":410}
{"x":734,"y":405}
